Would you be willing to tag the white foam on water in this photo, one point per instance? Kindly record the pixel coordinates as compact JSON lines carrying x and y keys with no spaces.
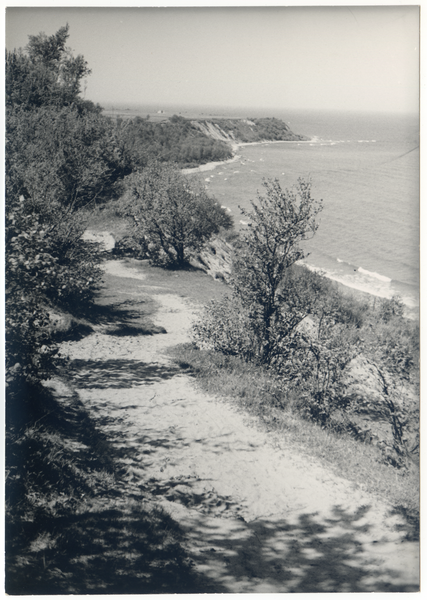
{"x":374,"y":275}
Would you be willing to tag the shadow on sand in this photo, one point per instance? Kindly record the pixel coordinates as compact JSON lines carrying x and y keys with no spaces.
{"x":77,"y":522}
{"x":311,"y":555}
{"x":118,"y":373}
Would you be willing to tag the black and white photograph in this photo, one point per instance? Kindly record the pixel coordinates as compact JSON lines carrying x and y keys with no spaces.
{"x":212,"y":299}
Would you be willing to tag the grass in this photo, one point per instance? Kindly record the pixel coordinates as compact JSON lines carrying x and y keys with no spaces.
{"x":254,"y":391}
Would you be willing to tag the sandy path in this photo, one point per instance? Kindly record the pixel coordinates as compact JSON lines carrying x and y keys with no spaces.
{"x":258,"y":517}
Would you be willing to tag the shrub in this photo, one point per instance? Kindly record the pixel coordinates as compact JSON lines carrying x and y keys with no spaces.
{"x":223,"y":327}
{"x":171,"y":214}
{"x":44,"y":267}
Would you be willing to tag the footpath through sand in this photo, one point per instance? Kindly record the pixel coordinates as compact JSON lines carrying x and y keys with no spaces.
{"x":257,"y":516}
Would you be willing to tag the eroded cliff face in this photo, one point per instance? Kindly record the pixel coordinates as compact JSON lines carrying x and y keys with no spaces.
{"x":237,"y":131}
{"x":215,"y":259}
{"x":214,"y":131}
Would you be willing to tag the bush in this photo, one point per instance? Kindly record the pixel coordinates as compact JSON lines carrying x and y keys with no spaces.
{"x":44,"y":267}
{"x":171,"y":214}
{"x":130,"y":246}
{"x":223,"y":327}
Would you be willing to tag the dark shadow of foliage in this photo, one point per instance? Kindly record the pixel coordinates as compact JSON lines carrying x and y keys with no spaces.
{"x":124,"y":329}
{"x":75,"y":332}
{"x":310,"y":556}
{"x":118,"y":373}
{"x":73,"y":524}
{"x":128,"y":549}
{"x":412,"y":523}
{"x":132,"y":312}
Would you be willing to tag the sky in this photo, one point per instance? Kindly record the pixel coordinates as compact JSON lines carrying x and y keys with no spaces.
{"x":320,"y":58}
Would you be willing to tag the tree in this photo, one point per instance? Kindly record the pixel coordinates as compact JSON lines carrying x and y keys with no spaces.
{"x":269,"y":297}
{"x":172,"y":214}
{"x":280,"y":221}
{"x":61,"y":157}
{"x":58,"y":158}
{"x":46,"y":73}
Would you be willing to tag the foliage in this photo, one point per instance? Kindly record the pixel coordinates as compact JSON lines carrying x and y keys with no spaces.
{"x":46,"y":74}
{"x":172,"y":213}
{"x":269,"y":298}
{"x":62,"y":158}
{"x":176,"y":140}
{"x":280,"y":221}
{"x":224,"y":328}
{"x":44,"y":267}
{"x":58,"y":158}
{"x":130,"y":246}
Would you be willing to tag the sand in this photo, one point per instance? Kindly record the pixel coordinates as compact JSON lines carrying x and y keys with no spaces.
{"x":257,"y":516}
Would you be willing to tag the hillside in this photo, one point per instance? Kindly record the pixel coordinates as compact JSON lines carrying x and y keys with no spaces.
{"x":194,"y":142}
{"x":134,"y":498}
{"x":247,"y":130}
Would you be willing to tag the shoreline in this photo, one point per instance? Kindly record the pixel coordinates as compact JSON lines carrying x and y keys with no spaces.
{"x":411,"y":304}
{"x":234,"y":148}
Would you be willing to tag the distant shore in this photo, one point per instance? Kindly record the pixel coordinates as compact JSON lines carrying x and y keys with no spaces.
{"x":211,"y":165}
{"x":235,"y":147}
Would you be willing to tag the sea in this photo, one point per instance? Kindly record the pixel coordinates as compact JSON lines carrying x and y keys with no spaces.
{"x":366,"y":169}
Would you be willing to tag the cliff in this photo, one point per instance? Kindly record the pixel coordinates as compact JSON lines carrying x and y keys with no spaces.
{"x":247,"y":130}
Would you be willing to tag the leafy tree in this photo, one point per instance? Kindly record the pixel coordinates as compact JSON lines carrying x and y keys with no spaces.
{"x":58,"y":158}
{"x":171,"y":213}
{"x":61,"y":158}
{"x":280,"y":221}
{"x":45,"y":74}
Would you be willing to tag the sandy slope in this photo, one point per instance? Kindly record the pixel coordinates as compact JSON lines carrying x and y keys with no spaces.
{"x":258,"y":517}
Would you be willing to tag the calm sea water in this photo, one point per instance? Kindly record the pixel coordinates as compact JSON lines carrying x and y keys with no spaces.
{"x":366,"y":169}
{"x":364,"y":166}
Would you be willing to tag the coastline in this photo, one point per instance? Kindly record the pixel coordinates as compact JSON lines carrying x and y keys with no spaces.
{"x":359,"y":289}
{"x":235,"y":147}
{"x":212,"y":165}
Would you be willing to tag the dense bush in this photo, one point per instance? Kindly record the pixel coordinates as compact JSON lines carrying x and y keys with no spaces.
{"x":62,"y":158}
{"x":172,"y":215}
{"x":176,"y":140}
{"x":44,"y":268}
{"x":58,"y":158}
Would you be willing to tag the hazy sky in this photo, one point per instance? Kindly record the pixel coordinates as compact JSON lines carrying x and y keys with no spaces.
{"x":346,"y":58}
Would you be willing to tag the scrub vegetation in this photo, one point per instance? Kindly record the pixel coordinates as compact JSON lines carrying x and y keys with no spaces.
{"x":310,"y":338}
